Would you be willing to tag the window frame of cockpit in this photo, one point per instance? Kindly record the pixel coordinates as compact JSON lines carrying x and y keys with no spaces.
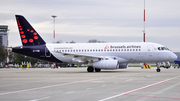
{"x":163,"y":48}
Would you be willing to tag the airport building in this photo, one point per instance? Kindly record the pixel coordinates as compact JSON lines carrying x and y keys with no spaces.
{"x":4,"y":35}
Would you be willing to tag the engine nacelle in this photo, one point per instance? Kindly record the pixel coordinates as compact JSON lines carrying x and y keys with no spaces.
{"x":106,"y":64}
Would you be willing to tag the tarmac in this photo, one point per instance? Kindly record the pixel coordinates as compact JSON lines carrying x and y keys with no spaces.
{"x":76,"y":84}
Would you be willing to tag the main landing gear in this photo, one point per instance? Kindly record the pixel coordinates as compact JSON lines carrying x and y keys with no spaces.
{"x":91,"y":69}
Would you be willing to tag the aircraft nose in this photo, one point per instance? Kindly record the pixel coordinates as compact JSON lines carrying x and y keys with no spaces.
{"x":174,"y":56}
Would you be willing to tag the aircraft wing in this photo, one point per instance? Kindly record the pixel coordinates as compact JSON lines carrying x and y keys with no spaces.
{"x":86,"y":57}
{"x":83,"y":57}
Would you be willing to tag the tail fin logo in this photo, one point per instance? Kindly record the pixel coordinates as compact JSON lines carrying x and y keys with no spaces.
{"x":27,"y":33}
{"x":23,"y":36}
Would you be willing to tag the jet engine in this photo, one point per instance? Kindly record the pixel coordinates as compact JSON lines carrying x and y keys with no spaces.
{"x":106,"y":64}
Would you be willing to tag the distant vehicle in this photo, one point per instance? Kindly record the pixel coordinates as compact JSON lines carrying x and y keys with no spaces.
{"x":97,"y":55}
{"x":177,"y":62}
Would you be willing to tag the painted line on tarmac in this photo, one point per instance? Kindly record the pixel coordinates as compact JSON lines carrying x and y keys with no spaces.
{"x":138,"y":89}
{"x":158,"y":92}
{"x":154,"y":97}
{"x":128,"y":80}
{"x":103,"y":85}
{"x":40,"y":99}
{"x":88,"y":88}
{"x":44,"y":87}
{"x":70,"y":92}
{"x":167,"y":88}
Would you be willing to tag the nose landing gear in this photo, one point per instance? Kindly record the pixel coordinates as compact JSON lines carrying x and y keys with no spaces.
{"x":158,"y":69}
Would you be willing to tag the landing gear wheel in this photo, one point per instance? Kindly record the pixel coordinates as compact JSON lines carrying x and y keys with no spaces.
{"x":158,"y":70}
{"x":90,"y":69}
{"x":97,"y":69}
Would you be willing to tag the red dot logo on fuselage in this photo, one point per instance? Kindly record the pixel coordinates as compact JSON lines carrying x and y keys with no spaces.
{"x":106,"y":47}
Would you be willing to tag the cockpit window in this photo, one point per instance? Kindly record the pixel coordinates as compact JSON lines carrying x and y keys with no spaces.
{"x":163,"y":48}
{"x":166,"y":48}
{"x":159,"y":48}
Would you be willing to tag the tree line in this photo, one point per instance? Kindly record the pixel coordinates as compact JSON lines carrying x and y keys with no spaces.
{"x":14,"y":58}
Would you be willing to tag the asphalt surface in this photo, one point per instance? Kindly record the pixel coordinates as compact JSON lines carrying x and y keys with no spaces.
{"x":76,"y":84}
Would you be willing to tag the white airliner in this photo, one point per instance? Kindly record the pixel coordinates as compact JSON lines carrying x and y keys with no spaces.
{"x":97,"y":55}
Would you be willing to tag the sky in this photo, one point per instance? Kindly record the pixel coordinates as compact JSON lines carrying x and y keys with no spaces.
{"x":104,"y":20}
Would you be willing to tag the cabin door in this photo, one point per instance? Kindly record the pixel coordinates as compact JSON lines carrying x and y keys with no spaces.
{"x":47,"y":52}
{"x":150,"y":50}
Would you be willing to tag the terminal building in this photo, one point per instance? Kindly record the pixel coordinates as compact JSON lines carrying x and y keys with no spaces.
{"x":4,"y":35}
